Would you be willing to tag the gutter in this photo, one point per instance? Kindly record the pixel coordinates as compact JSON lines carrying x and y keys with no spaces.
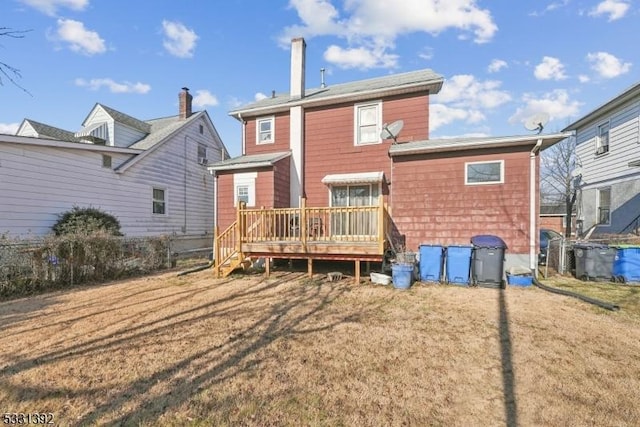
{"x":533,"y":264}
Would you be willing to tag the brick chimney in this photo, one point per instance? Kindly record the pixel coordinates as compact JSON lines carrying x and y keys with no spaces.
{"x":298,"y":47}
{"x":185,"y":103}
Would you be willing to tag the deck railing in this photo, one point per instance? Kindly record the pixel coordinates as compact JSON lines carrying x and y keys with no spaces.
{"x":314,"y":224}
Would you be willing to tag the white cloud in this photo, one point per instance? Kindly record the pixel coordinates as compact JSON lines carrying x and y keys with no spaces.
{"x":551,"y":7}
{"x":204,"y":98}
{"x":497,"y":65}
{"x":370,"y":27}
{"x":9,"y":128}
{"x":556,"y":103}
{"x":179,"y":40}
{"x":466,"y":91}
{"x":79,"y":38}
{"x":112,"y":86}
{"x":50,"y":7}
{"x":550,"y":69}
{"x":260,"y":96}
{"x":607,"y":65}
{"x":426,"y":53}
{"x":582,"y":78}
{"x":361,"y":58}
{"x":441,"y":115}
{"x":615,"y":9}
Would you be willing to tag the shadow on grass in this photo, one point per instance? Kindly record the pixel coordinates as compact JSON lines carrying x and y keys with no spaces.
{"x":269,"y":315}
{"x":508,"y":380}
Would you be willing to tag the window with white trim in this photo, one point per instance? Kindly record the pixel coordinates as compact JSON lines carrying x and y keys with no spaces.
{"x":265,"y":130}
{"x":159,"y":204}
{"x":602,"y":138}
{"x":604,"y":206}
{"x":480,"y":173}
{"x":244,"y":188}
{"x":367,"y":123}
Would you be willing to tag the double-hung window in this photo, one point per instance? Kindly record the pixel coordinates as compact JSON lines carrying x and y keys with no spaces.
{"x":159,"y":204}
{"x":604,"y":206}
{"x":602,"y":138}
{"x":479,"y":173}
{"x":354,"y":222}
{"x":367,"y":123}
{"x":265,"y":130}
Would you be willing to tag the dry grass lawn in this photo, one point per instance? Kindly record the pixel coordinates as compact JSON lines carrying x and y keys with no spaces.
{"x":288,"y":350}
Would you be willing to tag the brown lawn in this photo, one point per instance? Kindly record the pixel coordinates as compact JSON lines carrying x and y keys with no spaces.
{"x":288,"y":350}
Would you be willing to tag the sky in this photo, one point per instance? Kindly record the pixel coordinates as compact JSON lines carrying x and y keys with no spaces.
{"x":502,"y":60}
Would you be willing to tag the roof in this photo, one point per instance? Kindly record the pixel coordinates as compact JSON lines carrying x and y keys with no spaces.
{"x":555,"y":209}
{"x":249,"y":162}
{"x":411,"y":82}
{"x":30,"y":140}
{"x":159,"y":129}
{"x":51,"y":131}
{"x":459,"y":144}
{"x":612,"y":104}
{"x":124,"y":119}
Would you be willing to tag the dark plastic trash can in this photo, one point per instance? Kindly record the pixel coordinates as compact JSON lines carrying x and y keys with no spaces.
{"x":431,"y":263}
{"x":487,"y":261}
{"x":594,"y":261}
{"x":626,"y":264}
{"x":458,"y":263}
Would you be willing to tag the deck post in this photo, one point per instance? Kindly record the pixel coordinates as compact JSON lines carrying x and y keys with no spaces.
{"x":241,"y":226}
{"x":357,"y":272}
{"x":267,"y":266}
{"x":381,"y":227}
{"x":303,"y":221}
{"x":216,"y":251}
{"x":310,"y":267}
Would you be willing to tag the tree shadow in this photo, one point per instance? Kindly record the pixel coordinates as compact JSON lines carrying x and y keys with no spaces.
{"x":508,"y":379}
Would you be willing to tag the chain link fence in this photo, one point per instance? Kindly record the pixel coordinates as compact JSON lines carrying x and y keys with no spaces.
{"x":31,"y":266}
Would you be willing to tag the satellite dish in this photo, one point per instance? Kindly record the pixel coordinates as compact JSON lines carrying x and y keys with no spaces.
{"x":391,"y":131}
{"x":536,"y":122}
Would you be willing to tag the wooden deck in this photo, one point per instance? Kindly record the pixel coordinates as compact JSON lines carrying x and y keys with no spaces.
{"x":354,"y":233}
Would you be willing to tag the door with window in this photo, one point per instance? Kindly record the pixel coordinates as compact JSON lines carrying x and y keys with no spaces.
{"x":351,"y":221}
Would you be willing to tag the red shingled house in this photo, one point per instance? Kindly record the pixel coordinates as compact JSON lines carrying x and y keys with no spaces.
{"x":317,"y":181}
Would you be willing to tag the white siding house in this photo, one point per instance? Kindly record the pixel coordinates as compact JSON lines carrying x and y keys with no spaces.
{"x":608,"y":153}
{"x":151,"y":175}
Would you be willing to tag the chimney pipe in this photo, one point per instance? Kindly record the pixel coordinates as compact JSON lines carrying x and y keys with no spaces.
{"x":298,"y":47}
{"x":322,"y":85}
{"x":185,"y":100}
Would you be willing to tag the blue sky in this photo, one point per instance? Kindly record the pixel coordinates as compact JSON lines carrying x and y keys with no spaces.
{"x":502,"y":60}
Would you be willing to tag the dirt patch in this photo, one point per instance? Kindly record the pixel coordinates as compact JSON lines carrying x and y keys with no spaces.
{"x":290,"y":350}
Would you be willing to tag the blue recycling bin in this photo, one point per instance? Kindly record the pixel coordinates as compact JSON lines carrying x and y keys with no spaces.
{"x":430,"y":263}
{"x":458,"y":264}
{"x":626,"y":264}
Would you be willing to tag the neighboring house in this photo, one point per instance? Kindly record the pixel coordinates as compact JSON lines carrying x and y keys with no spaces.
{"x":553,"y":216}
{"x":323,"y":148}
{"x":608,"y":151}
{"x":150,"y":174}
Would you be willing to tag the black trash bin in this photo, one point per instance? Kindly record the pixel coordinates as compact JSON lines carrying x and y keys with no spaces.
{"x":594,"y":261}
{"x":487,"y":261}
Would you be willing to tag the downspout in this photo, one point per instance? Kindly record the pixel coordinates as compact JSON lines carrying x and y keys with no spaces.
{"x":533,"y":259}
{"x":184,"y":226}
{"x":244,"y":131}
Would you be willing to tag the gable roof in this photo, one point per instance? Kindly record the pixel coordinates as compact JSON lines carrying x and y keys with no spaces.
{"x":121,"y":118}
{"x":248,"y":162}
{"x":47,"y":131}
{"x":411,"y":82}
{"x":612,"y":104}
{"x":459,"y":144}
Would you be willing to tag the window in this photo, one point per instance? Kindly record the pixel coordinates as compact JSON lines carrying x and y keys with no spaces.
{"x":604,"y":206}
{"x":159,"y":202}
{"x":355,"y":223}
{"x":265,"y":130}
{"x":201,"y":127}
{"x":244,"y":185}
{"x":202,"y":154}
{"x":367,"y":123}
{"x":478,"y":173}
{"x":602,"y":138}
{"x":106,"y":161}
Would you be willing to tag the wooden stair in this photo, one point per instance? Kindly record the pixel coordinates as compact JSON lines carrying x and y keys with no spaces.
{"x":228,"y":256}
{"x":231,"y":264}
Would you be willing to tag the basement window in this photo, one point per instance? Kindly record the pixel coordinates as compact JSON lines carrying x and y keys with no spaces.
{"x":480,"y":173}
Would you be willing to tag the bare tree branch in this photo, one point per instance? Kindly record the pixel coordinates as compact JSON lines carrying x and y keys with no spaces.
{"x":9,"y":72}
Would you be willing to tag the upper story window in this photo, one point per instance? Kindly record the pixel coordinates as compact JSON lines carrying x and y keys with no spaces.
{"x":602,"y":138}
{"x":265,"y":130}
{"x":367,"y":123}
{"x":604,"y":206}
{"x":159,"y":202}
{"x":201,"y":129}
{"x":202,"y":154}
{"x":478,"y":173}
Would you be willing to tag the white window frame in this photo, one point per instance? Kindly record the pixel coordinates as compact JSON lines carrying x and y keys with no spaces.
{"x":246,"y":179}
{"x":598,"y":206}
{"x":600,"y":147}
{"x":272,"y":121}
{"x":201,"y":153}
{"x":466,"y":172}
{"x":370,"y":185}
{"x":163,"y":200}
{"x":357,"y":125}
{"x":245,"y":189}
